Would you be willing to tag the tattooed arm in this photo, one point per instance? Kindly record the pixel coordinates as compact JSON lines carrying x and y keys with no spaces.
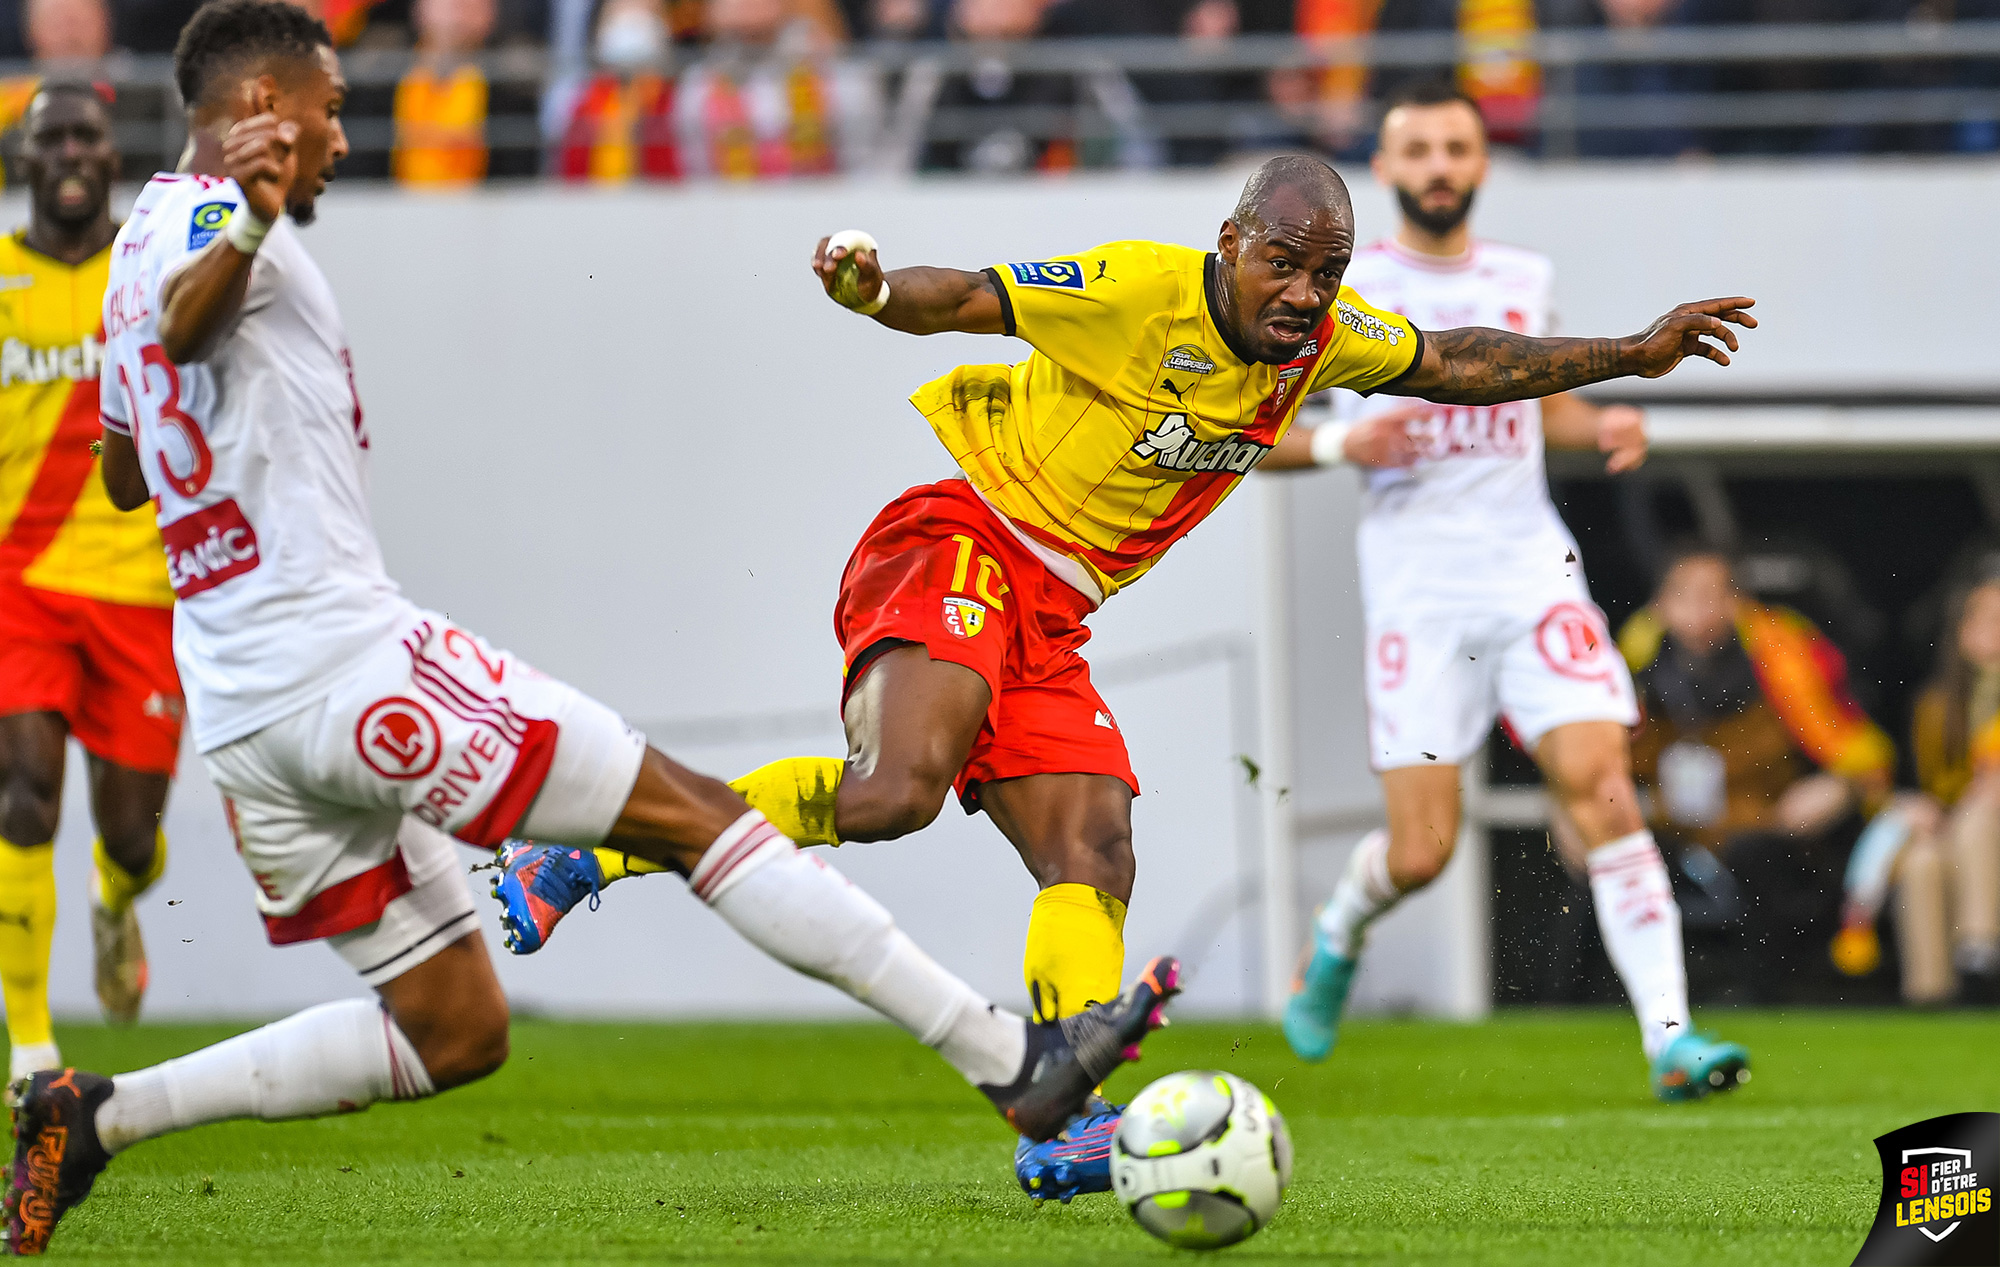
{"x":1479,"y":366}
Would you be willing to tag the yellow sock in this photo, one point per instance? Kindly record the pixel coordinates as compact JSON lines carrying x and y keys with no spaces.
{"x":118,"y":888}
{"x":1076,"y":950}
{"x":27,"y":926}
{"x":797,"y":794}
{"x":616,"y":864}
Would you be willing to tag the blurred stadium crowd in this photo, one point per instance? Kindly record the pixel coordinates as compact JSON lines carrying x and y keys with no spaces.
{"x":1820,"y":755}
{"x":449,"y":92}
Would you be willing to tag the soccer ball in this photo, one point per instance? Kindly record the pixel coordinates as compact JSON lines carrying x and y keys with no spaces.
{"x":1201,"y":1159}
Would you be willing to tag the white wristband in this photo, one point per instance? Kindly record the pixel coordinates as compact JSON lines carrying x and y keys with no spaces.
{"x":876,"y":305}
{"x":1329,"y":443}
{"x":245,"y":231}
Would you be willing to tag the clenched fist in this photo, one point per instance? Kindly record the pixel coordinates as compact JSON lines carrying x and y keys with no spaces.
{"x":258,"y":154}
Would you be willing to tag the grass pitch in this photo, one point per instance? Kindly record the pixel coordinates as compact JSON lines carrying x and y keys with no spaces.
{"x":1529,"y":1139}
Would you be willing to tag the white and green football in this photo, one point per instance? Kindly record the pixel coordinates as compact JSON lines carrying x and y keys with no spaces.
{"x":1201,"y":1159}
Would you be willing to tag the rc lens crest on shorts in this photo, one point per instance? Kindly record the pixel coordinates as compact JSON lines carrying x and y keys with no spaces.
{"x":209,"y":219}
{"x":964,"y":617}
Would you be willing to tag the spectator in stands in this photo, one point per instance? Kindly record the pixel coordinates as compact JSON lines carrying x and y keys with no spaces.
{"x":54,"y":31}
{"x":996,"y":119}
{"x":1497,"y":67}
{"x":1328,"y":104}
{"x":768,"y":99}
{"x":68,"y":30}
{"x":621,"y":122}
{"x":441,"y":102}
{"x":1644,"y":79}
{"x":1199,"y":22}
{"x":896,"y":19}
{"x":1949,"y":872}
{"x":1758,"y":762}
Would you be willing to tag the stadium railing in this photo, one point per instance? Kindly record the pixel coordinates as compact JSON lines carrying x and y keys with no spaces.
{"x":1965,"y":56}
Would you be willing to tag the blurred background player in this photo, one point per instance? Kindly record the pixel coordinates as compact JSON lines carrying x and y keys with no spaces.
{"x":86,"y":634}
{"x":353,"y":735}
{"x":1476,"y":606}
{"x":1161,"y":375}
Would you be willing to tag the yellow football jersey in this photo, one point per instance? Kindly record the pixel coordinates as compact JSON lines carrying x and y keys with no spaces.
{"x":58,"y":528}
{"x":1133,"y":419}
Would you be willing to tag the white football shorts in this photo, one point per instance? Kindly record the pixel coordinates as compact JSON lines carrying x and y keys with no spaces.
{"x":344,"y":811}
{"x":1437,"y":682}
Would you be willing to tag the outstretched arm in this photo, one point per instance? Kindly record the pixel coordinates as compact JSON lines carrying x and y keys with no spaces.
{"x":921,"y":300}
{"x":1475,"y":365}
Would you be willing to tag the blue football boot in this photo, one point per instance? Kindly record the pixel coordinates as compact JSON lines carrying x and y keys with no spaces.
{"x":1319,"y":996}
{"x":539,"y":884}
{"x":1692,"y":1066}
{"x":1074,"y":1162}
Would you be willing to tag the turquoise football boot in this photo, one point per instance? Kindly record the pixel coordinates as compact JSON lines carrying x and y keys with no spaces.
{"x":1693,"y":1066}
{"x":1319,"y":996}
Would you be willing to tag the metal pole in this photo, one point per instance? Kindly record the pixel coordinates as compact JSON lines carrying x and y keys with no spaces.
{"x":1274,"y":678}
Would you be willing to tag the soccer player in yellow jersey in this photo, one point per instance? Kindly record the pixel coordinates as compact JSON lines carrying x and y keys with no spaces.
{"x":85,"y":611}
{"x":1160,"y":376}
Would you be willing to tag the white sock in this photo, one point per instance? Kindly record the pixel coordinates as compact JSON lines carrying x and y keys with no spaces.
{"x":334,"y":1058}
{"x":1363,"y":895}
{"x":803,"y":913}
{"x":1642,"y":934}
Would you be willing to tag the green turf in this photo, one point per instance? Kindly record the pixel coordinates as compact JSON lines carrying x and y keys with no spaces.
{"x":1526,"y":1140}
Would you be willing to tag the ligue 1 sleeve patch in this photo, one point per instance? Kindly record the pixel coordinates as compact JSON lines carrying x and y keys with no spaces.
{"x":1058,"y":274}
{"x":1937,"y":1194}
{"x":208,"y":220}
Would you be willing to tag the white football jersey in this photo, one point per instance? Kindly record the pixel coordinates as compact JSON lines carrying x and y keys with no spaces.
{"x":255,"y":456}
{"x":1470,"y":526}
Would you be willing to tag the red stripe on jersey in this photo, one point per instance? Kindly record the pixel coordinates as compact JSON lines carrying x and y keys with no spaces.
{"x":353,"y":903}
{"x":1202,"y":493}
{"x":524,"y":782}
{"x":59,"y":481}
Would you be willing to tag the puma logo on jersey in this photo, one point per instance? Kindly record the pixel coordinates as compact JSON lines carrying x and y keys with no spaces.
{"x":1173,"y":446}
{"x":77,"y":362}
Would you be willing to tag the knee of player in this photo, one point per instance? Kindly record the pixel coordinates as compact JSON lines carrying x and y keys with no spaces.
{"x":31,"y":815}
{"x":130,"y":838}
{"x":888,"y":805}
{"x":1418,"y":860}
{"x":475,"y":1048}
{"x":1110,"y":854}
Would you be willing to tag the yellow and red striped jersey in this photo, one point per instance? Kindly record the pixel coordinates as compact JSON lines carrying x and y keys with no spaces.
{"x":58,"y":529}
{"x":1133,"y":419}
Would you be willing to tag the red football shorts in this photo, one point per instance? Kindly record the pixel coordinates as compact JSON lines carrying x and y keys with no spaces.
{"x":108,"y":668}
{"x":938,"y":568}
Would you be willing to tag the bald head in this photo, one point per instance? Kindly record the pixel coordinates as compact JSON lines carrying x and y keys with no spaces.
{"x":1281,"y":256}
{"x":1300,"y":180}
